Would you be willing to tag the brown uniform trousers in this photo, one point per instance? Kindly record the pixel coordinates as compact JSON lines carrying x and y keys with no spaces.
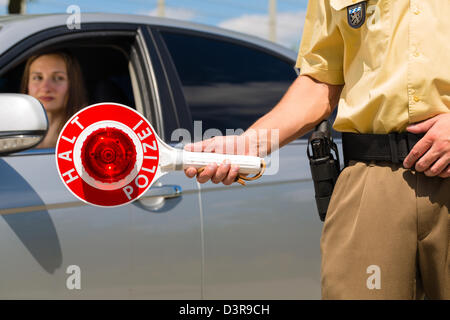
{"x":386,"y":235}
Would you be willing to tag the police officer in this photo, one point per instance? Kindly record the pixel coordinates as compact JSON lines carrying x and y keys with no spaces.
{"x":386,"y":233}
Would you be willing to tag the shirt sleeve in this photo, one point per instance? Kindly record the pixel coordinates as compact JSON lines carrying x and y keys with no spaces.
{"x":322,"y":49}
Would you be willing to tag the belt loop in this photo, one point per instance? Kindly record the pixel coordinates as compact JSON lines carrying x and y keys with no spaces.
{"x":393,"y":146}
{"x":403,"y":145}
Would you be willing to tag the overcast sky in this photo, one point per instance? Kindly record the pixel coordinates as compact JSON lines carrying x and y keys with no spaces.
{"x":249,"y":16}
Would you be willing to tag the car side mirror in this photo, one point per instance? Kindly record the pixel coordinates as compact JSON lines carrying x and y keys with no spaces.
{"x":23,"y":122}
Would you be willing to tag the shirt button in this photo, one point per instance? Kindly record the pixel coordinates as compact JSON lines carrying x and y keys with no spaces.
{"x":416,"y":54}
{"x":416,"y":99}
{"x":416,"y":11}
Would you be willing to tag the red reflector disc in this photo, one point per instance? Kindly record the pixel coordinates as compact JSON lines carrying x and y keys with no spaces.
{"x":108,"y":155}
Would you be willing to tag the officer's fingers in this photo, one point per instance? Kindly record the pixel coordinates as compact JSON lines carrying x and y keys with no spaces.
{"x":445,"y":173}
{"x":190,"y":172}
{"x":438,"y":167}
{"x":426,"y":161}
{"x":221,"y":173}
{"x":207,"y":174}
{"x":419,"y":149}
{"x":232,"y":174}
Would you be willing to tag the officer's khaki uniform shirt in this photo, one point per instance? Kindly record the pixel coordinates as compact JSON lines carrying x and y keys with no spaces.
{"x":395,"y":67}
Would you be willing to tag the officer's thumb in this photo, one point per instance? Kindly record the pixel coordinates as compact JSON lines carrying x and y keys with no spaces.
{"x":197,"y":146}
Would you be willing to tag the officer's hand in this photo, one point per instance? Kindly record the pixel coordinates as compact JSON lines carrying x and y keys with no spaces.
{"x":225,"y":172}
{"x":433,"y":149}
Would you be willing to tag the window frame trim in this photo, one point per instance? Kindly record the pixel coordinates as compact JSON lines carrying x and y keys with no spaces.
{"x":179,"y":115}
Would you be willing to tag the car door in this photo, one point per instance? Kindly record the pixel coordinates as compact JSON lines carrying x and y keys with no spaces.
{"x":55,"y":246}
{"x":261,"y":240}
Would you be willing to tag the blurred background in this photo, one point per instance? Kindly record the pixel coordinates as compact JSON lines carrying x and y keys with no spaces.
{"x":280,"y":21}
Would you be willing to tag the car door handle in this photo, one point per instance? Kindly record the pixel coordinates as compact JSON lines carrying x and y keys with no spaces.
{"x":155,"y":199}
{"x":165,"y":191}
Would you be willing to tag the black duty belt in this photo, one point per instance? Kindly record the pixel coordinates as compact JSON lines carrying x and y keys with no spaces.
{"x":393,"y":147}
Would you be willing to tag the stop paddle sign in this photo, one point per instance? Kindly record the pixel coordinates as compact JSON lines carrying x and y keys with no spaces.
{"x":108,"y":155}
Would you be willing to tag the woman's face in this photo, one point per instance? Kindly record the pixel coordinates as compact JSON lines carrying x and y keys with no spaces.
{"x":48,"y":82}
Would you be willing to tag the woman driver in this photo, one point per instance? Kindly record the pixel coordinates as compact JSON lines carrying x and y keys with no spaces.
{"x":55,"y":79}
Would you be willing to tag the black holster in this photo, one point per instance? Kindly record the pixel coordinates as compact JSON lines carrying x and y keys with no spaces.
{"x":325,"y":166}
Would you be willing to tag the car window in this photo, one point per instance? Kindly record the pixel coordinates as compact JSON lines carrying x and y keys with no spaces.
{"x":227,"y":85}
{"x":105,"y":72}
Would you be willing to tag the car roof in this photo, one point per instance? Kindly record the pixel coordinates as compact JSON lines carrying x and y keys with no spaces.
{"x":14,"y":28}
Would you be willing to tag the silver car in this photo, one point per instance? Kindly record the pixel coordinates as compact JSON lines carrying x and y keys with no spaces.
{"x":181,"y":240}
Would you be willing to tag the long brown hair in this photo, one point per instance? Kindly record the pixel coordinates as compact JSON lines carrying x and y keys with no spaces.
{"x":76,"y":98}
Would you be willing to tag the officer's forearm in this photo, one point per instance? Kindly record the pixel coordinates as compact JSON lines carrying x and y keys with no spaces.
{"x":304,"y":105}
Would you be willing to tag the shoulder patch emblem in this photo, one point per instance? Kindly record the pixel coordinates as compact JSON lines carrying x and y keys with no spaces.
{"x":356,"y":14}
